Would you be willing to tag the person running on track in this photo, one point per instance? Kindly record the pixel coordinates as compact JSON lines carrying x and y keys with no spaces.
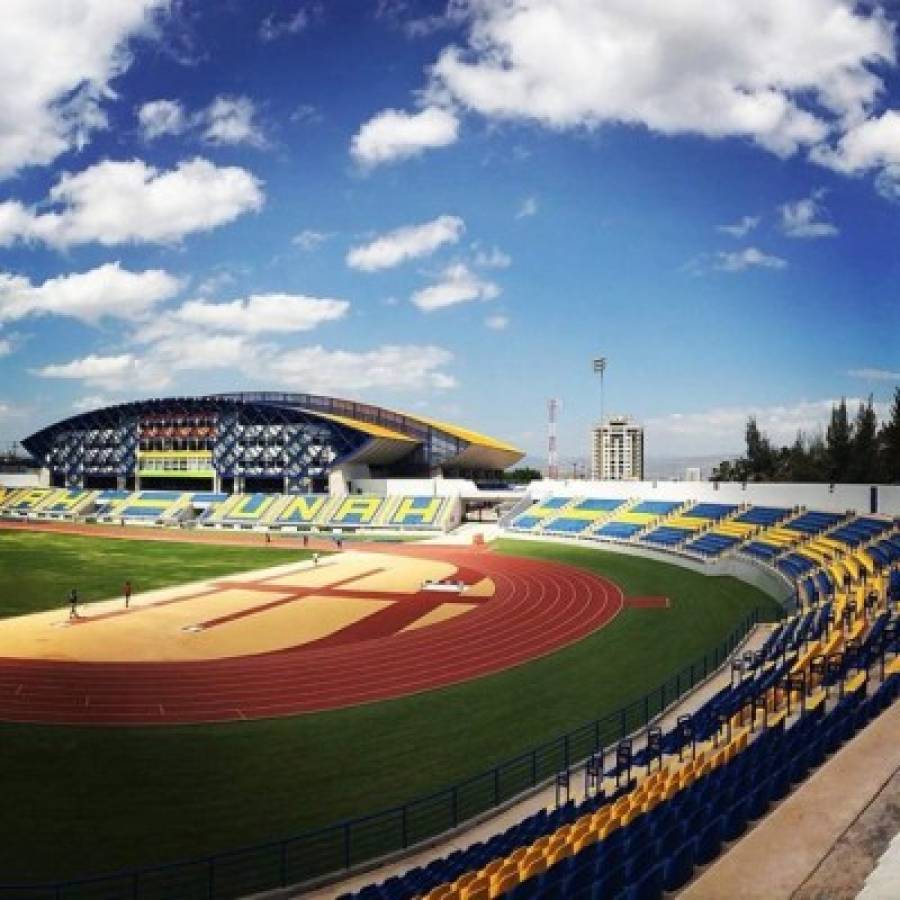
{"x":126,"y":590}
{"x":73,"y":604}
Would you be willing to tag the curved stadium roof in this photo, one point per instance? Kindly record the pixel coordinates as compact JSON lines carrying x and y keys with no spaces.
{"x":389,"y":435}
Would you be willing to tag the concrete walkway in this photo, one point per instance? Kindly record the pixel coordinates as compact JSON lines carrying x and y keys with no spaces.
{"x":774,"y":860}
{"x":544,"y":799}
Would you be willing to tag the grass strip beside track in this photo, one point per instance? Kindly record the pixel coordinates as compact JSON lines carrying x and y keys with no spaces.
{"x":38,"y":569}
{"x":105,"y":799}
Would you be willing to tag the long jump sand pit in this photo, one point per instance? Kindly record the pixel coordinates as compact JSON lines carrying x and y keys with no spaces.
{"x":358,"y":627}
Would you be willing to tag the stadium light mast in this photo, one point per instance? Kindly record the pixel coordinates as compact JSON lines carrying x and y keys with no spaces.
{"x":599,"y":369}
{"x":552,"y":451}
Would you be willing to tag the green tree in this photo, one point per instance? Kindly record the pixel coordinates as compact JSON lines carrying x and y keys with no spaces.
{"x":798,"y":462}
{"x":864,"y":465}
{"x":839,"y":443}
{"x":889,"y":443}
{"x":760,"y":455}
{"x":522,"y":476}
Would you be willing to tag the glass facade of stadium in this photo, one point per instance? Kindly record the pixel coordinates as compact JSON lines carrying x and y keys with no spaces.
{"x":256,"y":442}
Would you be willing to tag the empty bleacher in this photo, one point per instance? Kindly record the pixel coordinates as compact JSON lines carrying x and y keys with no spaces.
{"x":634,"y":519}
{"x":244,"y":510}
{"x":790,"y":533}
{"x":149,"y":506}
{"x":660,"y":812}
{"x":582,"y":515}
{"x":839,"y":551}
{"x":539,"y":513}
{"x":300,"y":510}
{"x":26,"y":500}
{"x":677,"y":529}
{"x":418,"y":512}
{"x":356,"y":510}
{"x":729,"y":530}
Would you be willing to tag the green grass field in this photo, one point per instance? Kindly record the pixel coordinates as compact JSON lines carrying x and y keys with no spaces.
{"x":38,"y":569}
{"x":104,"y":799}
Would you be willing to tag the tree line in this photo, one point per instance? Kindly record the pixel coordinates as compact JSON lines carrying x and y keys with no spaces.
{"x":850,"y":452}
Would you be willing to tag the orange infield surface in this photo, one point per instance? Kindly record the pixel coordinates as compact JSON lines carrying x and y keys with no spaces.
{"x":361,"y":626}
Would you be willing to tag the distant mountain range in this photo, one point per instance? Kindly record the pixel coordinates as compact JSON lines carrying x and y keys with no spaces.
{"x":662,"y":468}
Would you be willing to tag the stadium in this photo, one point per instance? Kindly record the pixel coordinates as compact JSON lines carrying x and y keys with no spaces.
{"x":449,"y":450}
{"x":646,"y":670}
{"x":266,"y":442}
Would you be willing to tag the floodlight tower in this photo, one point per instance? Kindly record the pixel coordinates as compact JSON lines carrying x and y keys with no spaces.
{"x":599,"y":369}
{"x":552,"y":451}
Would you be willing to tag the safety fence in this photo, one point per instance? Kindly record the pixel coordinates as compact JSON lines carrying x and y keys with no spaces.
{"x":342,"y":846}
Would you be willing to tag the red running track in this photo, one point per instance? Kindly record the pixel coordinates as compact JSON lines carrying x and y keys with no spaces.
{"x":538,"y":607}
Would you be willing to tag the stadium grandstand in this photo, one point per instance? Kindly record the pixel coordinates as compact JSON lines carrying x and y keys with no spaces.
{"x":669,"y":798}
{"x":679,"y":786}
{"x":255,"y":443}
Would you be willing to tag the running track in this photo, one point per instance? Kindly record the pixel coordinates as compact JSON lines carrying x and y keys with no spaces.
{"x":538,"y":608}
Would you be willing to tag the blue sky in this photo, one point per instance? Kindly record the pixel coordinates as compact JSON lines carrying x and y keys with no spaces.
{"x":452,"y":209}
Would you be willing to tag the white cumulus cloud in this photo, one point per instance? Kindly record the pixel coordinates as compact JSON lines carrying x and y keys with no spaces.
{"x":748,"y":258}
{"x":309,"y":239}
{"x":133,"y":202}
{"x":457,"y":284}
{"x":721,"y":429}
{"x":742,"y":227}
{"x":256,"y":314}
{"x":394,"y":135}
{"x":807,"y":218}
{"x":871,"y":143}
{"x":527,"y":208}
{"x":230,"y":120}
{"x":159,"y":117}
{"x":57,"y":64}
{"x":90,"y":402}
{"x":109,"y":291}
{"x":875,"y":374}
{"x":402,"y":244}
{"x":103,"y":371}
{"x":494,"y":258}
{"x":273,"y":27}
{"x":227,"y":120}
{"x":780,"y":74}
{"x":408,"y":367}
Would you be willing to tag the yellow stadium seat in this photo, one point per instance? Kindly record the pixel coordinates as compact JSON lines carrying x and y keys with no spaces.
{"x":477,"y":889}
{"x":492,"y":867}
{"x":560,"y":853}
{"x":600,"y":817}
{"x":541,"y":843}
{"x":504,"y":883}
{"x":531,"y":867}
{"x":608,"y":828}
{"x":441,"y":892}
{"x":586,"y":840}
{"x":516,"y":856}
{"x":465,"y":879}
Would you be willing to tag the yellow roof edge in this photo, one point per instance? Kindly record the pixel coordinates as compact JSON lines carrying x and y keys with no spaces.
{"x":367,"y":427}
{"x":466,"y":434}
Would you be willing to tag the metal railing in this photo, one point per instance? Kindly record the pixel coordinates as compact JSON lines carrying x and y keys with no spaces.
{"x":340,"y":847}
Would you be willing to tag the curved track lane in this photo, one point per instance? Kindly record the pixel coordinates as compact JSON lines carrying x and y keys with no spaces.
{"x":538,"y":607}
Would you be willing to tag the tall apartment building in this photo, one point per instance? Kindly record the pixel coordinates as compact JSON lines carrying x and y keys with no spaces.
{"x":618,"y":450}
